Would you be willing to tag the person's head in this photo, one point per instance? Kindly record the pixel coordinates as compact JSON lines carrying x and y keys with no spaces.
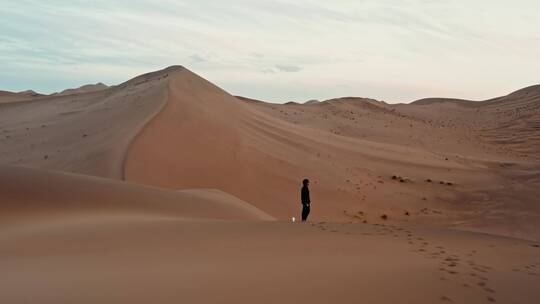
{"x":305,"y":182}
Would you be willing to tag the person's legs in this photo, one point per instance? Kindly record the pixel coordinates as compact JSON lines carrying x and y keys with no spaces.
{"x":305,"y":212}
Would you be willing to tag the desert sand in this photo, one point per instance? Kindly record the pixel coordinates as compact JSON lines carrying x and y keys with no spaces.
{"x":167,"y":189}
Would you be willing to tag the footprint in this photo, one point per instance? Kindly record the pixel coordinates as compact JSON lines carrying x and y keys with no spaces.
{"x":489,"y":290}
{"x":446,"y":299}
{"x":479,"y":269}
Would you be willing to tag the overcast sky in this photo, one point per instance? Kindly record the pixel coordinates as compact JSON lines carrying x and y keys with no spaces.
{"x":392,"y":50}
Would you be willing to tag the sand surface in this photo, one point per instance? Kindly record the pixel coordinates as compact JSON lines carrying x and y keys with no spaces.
{"x":163,"y":260}
{"x":167,"y":189}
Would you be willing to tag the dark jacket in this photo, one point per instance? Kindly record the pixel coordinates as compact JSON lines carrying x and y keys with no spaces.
{"x":305,"y":195}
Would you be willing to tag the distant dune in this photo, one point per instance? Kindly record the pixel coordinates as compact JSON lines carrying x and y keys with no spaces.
{"x":166,"y":188}
{"x":85,"y":89}
{"x":6,"y":96}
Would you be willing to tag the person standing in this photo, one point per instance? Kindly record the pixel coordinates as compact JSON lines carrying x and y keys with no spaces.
{"x":306,"y":201}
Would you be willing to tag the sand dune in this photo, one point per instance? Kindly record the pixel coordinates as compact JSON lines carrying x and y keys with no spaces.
{"x":7,"y":97}
{"x":82,"y":133}
{"x":175,"y":130}
{"x":142,"y":260}
{"x":509,"y":122}
{"x":30,"y":195}
{"x":67,"y":238}
{"x":166,"y":188}
{"x":84,"y":89}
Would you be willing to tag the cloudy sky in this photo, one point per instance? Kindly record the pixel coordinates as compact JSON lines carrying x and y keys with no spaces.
{"x":394,"y":50}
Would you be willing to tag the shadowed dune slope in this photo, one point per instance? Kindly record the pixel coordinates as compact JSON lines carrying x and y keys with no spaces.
{"x":30,"y":196}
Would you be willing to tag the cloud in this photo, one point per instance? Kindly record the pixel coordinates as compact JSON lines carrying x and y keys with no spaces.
{"x":288,"y":68}
{"x":268,"y":71}
{"x":197,"y":58}
{"x":435,"y":47}
{"x":257,"y":55}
